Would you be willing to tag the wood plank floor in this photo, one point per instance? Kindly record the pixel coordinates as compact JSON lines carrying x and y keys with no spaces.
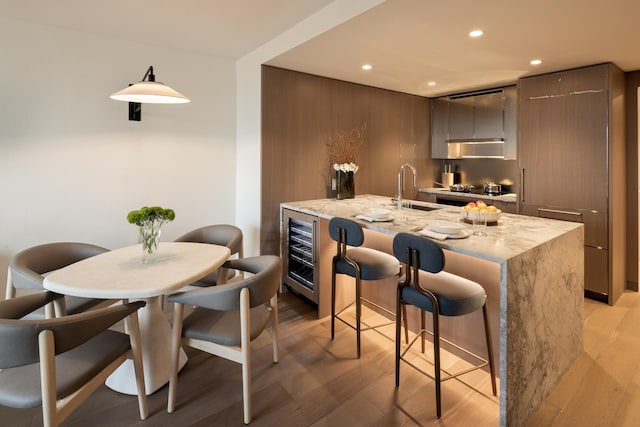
{"x":319,"y":382}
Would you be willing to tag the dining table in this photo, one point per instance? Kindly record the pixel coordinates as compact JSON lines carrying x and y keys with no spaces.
{"x":121,"y":274}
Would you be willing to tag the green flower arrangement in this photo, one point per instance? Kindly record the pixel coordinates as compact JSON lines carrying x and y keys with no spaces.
{"x":147,"y":215}
{"x":150,"y":221}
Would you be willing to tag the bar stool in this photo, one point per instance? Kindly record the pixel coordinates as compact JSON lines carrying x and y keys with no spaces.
{"x":428,"y":288}
{"x":359,"y":263}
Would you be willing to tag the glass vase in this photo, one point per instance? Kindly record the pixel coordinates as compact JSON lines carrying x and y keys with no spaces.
{"x":345,"y":185}
{"x":150,"y":240}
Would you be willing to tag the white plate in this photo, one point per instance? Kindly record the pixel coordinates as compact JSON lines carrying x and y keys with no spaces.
{"x":370,"y":219}
{"x":461,"y":235}
{"x":378,"y":213}
{"x":447,"y":227}
{"x":440,"y":236}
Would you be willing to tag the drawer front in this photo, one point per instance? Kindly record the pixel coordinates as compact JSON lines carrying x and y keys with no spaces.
{"x":595,"y":223}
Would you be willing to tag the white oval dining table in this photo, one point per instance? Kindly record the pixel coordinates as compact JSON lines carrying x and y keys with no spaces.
{"x":121,"y":274}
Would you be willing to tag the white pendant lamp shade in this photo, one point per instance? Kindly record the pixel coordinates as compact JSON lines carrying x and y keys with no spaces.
{"x":150,"y":93}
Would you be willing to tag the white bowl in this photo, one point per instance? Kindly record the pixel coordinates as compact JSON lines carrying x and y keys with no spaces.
{"x":377,"y":213}
{"x":489,"y":216}
{"x":447,"y":227}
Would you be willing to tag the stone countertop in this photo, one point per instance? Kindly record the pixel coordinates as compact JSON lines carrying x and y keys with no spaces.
{"x":507,"y":198}
{"x":514,"y":234}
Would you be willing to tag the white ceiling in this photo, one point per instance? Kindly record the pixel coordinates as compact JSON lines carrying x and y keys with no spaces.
{"x":408,"y":42}
{"x":223,"y":28}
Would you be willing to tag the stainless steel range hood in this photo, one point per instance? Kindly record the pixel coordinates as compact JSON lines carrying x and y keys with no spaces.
{"x":480,"y":148}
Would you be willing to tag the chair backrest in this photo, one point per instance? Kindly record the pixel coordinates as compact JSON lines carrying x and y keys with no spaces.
{"x":19,"y":337}
{"x":430,"y":256}
{"x":218,"y":234}
{"x":353,"y":231}
{"x":263,"y":284}
{"x":28,"y":266}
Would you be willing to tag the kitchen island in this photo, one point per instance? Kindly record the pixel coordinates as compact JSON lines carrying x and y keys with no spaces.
{"x":537,"y":267}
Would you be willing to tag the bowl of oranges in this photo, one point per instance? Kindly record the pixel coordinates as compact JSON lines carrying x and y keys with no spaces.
{"x":480,"y":210}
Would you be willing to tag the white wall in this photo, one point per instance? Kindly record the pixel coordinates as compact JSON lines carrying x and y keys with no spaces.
{"x":71,"y":164}
{"x":248,"y":176}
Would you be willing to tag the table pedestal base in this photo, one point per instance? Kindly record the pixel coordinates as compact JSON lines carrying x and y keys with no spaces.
{"x":155,"y":334}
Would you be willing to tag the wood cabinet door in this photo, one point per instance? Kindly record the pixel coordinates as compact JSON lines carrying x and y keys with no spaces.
{"x":563,"y":151}
{"x":586,"y":79}
{"x":539,"y":86}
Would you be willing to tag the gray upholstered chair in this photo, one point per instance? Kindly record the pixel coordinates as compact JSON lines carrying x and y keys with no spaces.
{"x":57,"y":363}
{"x":29,"y":267}
{"x":217,"y":234}
{"x":359,"y":263}
{"x":227,"y":318}
{"x":428,"y":288}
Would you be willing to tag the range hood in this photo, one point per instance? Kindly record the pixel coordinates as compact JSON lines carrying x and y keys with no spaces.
{"x":478,"y":148}
{"x":475,"y":125}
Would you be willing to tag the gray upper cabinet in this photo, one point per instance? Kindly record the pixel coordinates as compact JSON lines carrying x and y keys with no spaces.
{"x":439,"y":128}
{"x":461,"y":118}
{"x":475,"y":125}
{"x":488,"y":117}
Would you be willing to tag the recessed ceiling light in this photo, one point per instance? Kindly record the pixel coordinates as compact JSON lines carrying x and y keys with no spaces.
{"x":431,"y":83}
{"x":536,"y":61}
{"x":367,"y":67}
{"x":476,"y":33}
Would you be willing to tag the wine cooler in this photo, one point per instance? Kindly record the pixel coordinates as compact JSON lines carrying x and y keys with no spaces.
{"x":300,"y":253}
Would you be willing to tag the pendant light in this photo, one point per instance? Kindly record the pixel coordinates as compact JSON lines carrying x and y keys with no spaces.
{"x":149,"y":91}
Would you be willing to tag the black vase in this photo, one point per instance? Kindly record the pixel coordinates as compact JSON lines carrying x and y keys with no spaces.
{"x":345,"y":184}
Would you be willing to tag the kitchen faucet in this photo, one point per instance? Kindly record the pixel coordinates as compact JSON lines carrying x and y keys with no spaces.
{"x":401,"y":181}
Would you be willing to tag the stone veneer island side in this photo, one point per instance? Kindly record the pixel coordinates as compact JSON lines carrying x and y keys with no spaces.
{"x":540,"y":293}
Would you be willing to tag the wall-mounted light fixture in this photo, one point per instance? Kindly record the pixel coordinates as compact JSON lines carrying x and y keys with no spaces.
{"x":148,"y":91}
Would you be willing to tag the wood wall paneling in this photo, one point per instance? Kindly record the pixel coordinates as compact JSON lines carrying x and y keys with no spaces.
{"x":299,"y":111}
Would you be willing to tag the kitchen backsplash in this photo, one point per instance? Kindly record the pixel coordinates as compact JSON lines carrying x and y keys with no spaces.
{"x":477,"y":171}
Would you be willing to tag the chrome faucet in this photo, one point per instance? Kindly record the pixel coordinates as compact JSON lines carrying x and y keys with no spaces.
{"x":401,"y":181}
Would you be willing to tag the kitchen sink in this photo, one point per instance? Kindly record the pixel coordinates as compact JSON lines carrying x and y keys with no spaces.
{"x":422,"y":208}
{"x":415,"y":204}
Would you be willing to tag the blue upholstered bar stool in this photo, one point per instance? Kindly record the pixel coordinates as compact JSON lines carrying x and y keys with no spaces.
{"x":359,"y":263}
{"x":428,"y":288}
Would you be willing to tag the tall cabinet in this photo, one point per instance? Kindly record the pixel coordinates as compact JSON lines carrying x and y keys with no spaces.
{"x":571,"y":157}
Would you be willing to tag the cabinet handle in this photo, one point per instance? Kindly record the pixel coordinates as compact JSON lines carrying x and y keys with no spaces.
{"x":557,"y":211}
{"x":314,"y":241}
{"x":522,"y":185}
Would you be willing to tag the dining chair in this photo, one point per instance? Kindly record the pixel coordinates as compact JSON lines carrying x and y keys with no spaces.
{"x":218,"y":234}
{"x":227,"y":318}
{"x":426,"y":286}
{"x":361,"y":264}
{"x":29,"y":267}
{"x":58,"y":363}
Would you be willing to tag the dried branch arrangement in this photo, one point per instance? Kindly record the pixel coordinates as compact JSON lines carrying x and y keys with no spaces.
{"x":344,"y":146}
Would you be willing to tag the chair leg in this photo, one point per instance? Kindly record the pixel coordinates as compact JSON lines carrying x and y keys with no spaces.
{"x":436,"y":365}
{"x":274,"y":327}
{"x":48,"y":378}
{"x":399,"y":307}
{"x":423,"y":325}
{"x":406,"y":323}
{"x":10,"y":291}
{"x":487,"y":331}
{"x":133,"y":329}
{"x":333,"y":299}
{"x":245,"y":338}
{"x":358,"y":313}
{"x":176,"y":335}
